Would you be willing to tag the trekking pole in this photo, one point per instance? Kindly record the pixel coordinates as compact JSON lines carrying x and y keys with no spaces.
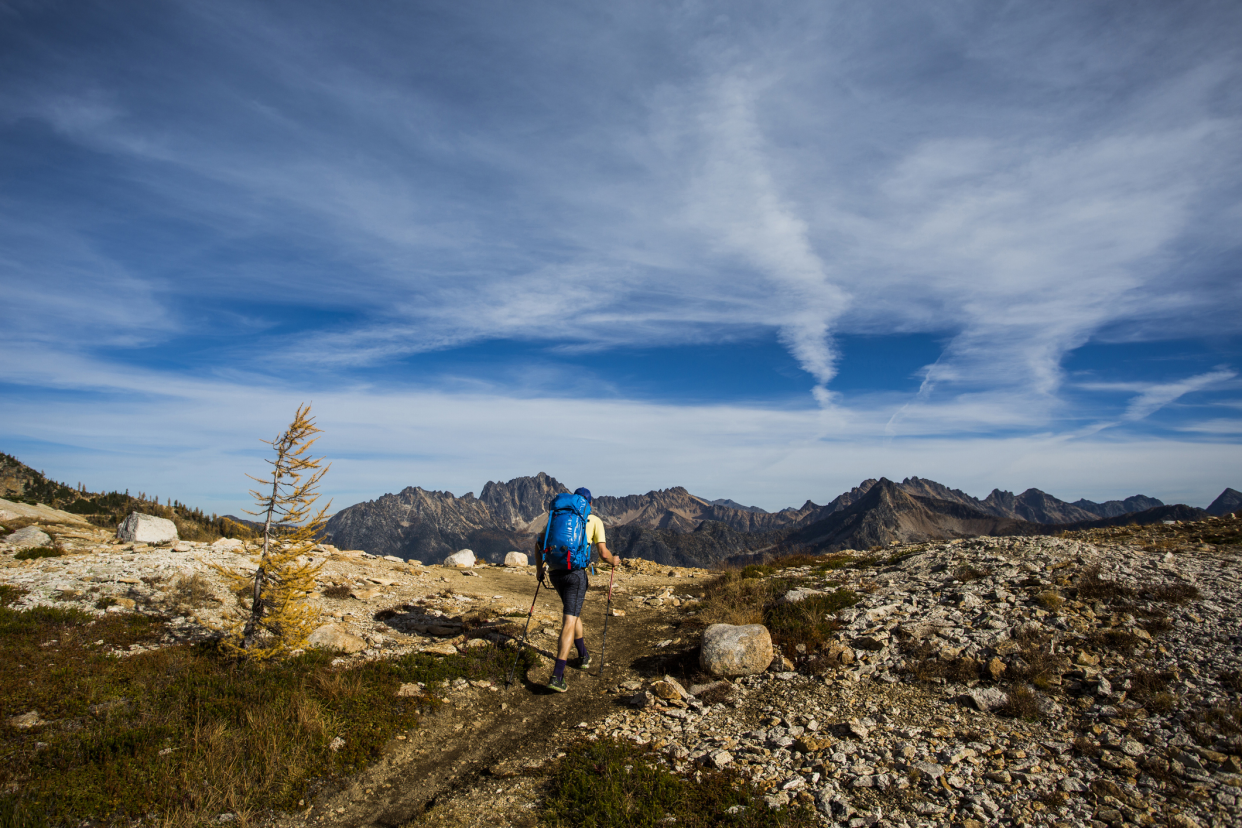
{"x":518,"y":656}
{"x":607,"y":611}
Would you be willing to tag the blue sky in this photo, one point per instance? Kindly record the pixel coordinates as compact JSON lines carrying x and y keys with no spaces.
{"x":760,"y":250}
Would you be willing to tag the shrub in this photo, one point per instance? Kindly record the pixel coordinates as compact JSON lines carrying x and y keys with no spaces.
{"x":808,"y":622}
{"x":34,"y":552}
{"x":611,"y":783}
{"x":968,"y":572}
{"x":1176,"y":593}
{"x":338,"y":591}
{"x":1092,"y":587}
{"x":1023,"y":703}
{"x":1122,"y":641}
{"x":1050,"y":600}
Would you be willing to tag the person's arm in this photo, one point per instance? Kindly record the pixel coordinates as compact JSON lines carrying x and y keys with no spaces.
{"x":538,"y":559}
{"x":607,"y":556}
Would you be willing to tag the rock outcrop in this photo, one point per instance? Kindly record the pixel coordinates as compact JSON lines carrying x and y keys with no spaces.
{"x":28,"y":538}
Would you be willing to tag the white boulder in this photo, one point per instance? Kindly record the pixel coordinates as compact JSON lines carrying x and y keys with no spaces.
{"x":140,"y":528}
{"x":228,"y":545}
{"x":28,"y":538}
{"x":332,"y":637}
{"x":461,"y":558}
{"x":516,"y":559}
{"x":729,"y":650}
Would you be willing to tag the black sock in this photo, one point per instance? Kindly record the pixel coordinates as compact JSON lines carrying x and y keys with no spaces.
{"x":580,"y":643}
{"x":559,"y":670}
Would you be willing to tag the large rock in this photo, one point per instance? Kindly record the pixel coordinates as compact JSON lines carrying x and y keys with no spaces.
{"x":228,"y":545}
{"x":462,"y":558}
{"x":140,"y":528}
{"x":29,"y":538}
{"x":332,"y":637}
{"x":516,"y":559}
{"x":985,"y":699}
{"x":736,"y":651}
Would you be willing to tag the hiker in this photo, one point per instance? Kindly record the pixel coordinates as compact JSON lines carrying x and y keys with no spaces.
{"x":568,"y":571}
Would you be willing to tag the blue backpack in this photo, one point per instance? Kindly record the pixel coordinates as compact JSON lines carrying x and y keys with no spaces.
{"x":565,"y":543}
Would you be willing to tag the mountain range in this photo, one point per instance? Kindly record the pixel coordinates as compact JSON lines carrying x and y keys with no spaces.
{"x":673,"y":526}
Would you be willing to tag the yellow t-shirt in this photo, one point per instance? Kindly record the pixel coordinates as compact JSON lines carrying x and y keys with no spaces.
{"x":594,"y":531}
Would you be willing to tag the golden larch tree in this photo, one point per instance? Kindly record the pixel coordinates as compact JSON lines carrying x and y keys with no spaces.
{"x":281,"y":615}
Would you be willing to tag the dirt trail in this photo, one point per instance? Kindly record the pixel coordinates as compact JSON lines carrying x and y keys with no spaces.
{"x":484,"y":733}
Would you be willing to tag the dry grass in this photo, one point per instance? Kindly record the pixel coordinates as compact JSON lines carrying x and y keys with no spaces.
{"x":969,"y":572}
{"x":192,"y":592}
{"x":1176,"y":593}
{"x":1114,"y":640}
{"x":1023,"y":703}
{"x":1092,"y":587}
{"x":1035,"y":662}
{"x":1050,"y":600}
{"x":336,"y":591}
{"x":1150,"y":688}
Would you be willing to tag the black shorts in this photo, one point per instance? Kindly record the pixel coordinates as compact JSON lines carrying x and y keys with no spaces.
{"x":572,"y":587}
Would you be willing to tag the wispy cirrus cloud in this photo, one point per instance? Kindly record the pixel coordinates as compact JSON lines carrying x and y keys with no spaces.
{"x":232,"y":193}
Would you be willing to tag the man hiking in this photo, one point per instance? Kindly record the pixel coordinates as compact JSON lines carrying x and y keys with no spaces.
{"x":565,"y":552}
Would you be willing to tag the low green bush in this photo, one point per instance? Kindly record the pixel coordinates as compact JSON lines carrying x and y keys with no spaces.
{"x":183,"y":731}
{"x":613,"y":784}
{"x":809,"y":622}
{"x":34,"y":552}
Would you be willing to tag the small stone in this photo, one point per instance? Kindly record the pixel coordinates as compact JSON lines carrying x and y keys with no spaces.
{"x":996,"y":668}
{"x":27,"y":720}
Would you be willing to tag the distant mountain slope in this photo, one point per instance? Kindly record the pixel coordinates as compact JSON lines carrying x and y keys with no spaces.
{"x":1160,"y":513}
{"x":733,"y":504}
{"x":1230,"y":500}
{"x":1116,"y":508}
{"x":429,"y":525}
{"x":673,"y":526}
{"x":887,"y":513}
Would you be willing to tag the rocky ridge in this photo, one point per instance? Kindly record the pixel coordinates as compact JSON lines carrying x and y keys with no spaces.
{"x":1126,"y":726}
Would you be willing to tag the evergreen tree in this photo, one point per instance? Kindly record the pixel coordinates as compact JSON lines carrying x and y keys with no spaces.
{"x":281,"y":615}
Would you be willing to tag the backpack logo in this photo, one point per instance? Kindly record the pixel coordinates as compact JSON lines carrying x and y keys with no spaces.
{"x":565,"y":543}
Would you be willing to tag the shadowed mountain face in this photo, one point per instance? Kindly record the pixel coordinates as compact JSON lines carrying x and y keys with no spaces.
{"x":675,"y":527}
{"x":888,"y":513}
{"x":1230,"y":500}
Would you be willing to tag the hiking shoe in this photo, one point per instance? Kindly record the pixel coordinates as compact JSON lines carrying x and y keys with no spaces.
{"x":558,"y":684}
{"x":581,"y":663}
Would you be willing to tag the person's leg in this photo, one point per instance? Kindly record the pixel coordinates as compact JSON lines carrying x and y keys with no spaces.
{"x":565,"y":589}
{"x":580,"y":637}
{"x":570,"y":625}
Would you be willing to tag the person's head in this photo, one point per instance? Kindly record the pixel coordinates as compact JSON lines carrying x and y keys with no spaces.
{"x":584,"y":492}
